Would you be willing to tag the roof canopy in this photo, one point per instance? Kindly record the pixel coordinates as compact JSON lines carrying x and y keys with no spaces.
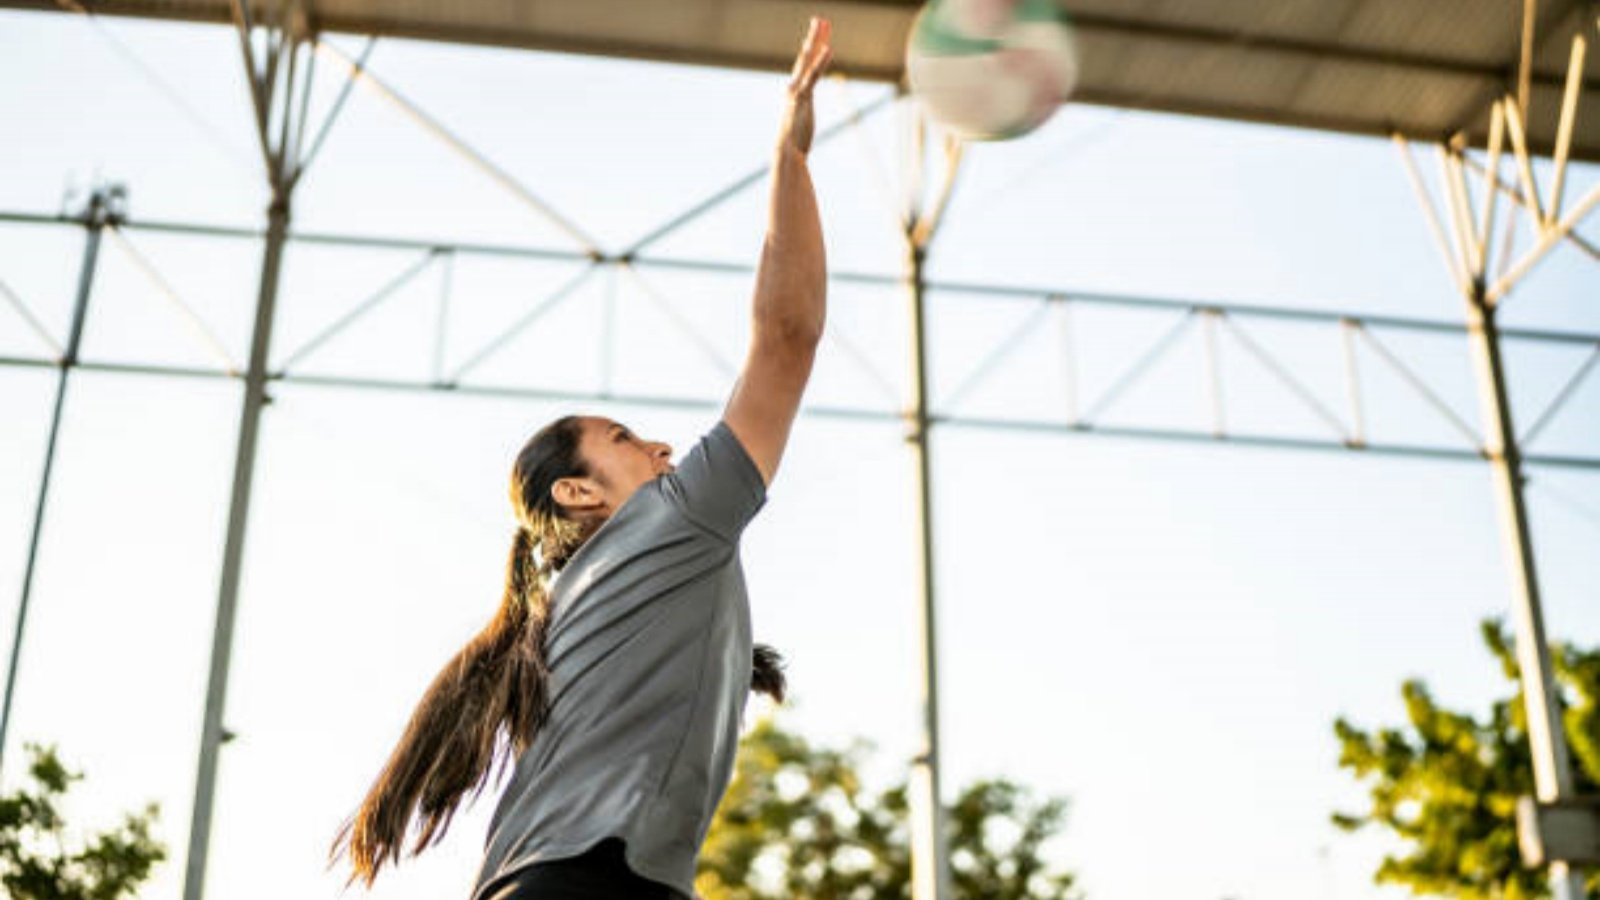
{"x":1425,"y":68}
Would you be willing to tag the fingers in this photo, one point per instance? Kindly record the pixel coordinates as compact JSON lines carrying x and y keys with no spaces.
{"x":814,"y":56}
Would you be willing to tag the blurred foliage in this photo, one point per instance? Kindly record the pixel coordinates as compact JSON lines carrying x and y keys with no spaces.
{"x":1447,"y":783}
{"x":798,"y":822}
{"x":35,"y":863}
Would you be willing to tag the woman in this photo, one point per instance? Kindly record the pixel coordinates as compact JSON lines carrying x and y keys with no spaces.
{"x":619,"y":685}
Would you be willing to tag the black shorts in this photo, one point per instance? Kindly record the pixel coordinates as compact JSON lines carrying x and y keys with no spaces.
{"x":600,"y":873}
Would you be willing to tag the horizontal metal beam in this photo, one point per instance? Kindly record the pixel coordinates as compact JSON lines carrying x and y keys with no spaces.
{"x":879,"y":416}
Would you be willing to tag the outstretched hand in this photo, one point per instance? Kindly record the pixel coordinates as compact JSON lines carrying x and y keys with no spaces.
{"x":798,"y":120}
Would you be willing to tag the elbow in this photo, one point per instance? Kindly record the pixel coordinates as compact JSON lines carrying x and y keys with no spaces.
{"x":793,"y":333}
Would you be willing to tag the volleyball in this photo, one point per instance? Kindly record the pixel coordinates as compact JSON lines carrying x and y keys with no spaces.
{"x":991,"y":69}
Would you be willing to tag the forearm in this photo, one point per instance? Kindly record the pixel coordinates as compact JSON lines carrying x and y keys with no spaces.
{"x":792,"y":281}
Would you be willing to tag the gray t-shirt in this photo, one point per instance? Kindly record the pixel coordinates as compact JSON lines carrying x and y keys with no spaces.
{"x":649,"y":651}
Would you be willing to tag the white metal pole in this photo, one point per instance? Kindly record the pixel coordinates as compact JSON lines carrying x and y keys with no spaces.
{"x":1552,"y":767}
{"x":282,"y":173}
{"x":212,"y":733}
{"x":930,"y":868}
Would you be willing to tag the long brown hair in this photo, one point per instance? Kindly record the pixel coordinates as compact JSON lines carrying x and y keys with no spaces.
{"x":486,"y":705}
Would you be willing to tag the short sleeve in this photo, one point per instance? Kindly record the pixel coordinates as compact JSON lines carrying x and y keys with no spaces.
{"x":717,"y":484}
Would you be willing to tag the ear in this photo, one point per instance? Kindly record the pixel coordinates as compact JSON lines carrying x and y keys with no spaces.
{"x":575,"y":493}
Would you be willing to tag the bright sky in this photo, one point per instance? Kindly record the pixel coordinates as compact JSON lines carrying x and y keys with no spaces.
{"x":1161,"y":632}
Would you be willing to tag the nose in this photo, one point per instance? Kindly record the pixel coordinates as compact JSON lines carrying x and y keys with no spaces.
{"x":661,"y":450}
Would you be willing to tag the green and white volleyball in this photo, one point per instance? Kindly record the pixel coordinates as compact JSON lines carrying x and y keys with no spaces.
{"x":991,"y":69}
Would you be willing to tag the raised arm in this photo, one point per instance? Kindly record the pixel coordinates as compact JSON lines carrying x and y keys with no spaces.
{"x":791,"y":283}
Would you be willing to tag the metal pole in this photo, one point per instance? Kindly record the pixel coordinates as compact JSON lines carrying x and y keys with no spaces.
{"x":96,"y":217}
{"x":1552,"y":768}
{"x":930,"y":870}
{"x":212,"y":733}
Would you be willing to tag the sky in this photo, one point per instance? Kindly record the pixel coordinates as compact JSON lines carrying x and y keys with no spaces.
{"x":1163,"y":633}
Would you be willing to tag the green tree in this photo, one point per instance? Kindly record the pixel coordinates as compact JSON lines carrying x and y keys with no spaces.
{"x":35,"y":863}
{"x":798,"y":822}
{"x":1447,"y":783}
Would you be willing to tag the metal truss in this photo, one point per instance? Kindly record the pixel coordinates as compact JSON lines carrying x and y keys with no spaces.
{"x":1353,"y":333}
{"x":280,"y":57}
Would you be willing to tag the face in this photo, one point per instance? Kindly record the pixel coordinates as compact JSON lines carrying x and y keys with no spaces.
{"x":619,"y":463}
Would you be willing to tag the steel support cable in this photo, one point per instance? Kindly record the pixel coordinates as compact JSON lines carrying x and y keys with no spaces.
{"x":835,"y":335}
{"x":1075,"y":142}
{"x":1561,"y":397}
{"x":993,"y":358}
{"x":701,"y":342}
{"x":258,"y":96}
{"x":482,"y":162}
{"x":1577,"y":507}
{"x":202,"y":330}
{"x":280,"y":42}
{"x":880,"y":172}
{"x":304,"y":162}
{"x":1421,"y":387}
{"x":1140,"y":366}
{"x":1294,"y":384}
{"x":28,"y":317}
{"x":306,"y":83}
{"x":1219,"y":49}
{"x":549,"y":303}
{"x":229,"y":150}
{"x":741,"y":184}
{"x":372,"y":302}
